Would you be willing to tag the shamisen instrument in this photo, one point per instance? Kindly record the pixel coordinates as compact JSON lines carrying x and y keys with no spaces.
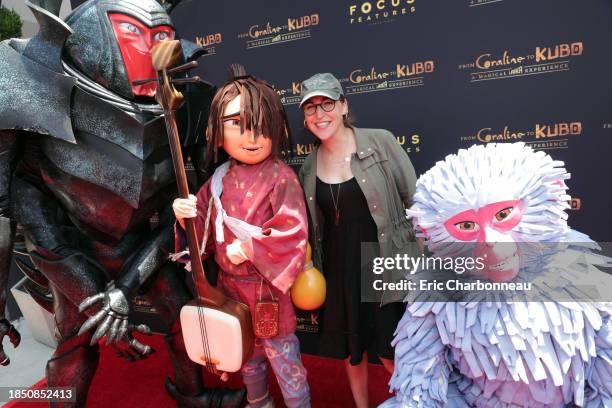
{"x":217,"y":331}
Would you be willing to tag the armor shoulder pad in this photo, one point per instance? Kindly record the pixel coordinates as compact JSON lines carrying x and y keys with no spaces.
{"x":46,"y":46}
{"x":33,"y":97}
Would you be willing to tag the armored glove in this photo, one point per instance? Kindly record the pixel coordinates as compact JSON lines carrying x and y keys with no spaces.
{"x":112,"y":320}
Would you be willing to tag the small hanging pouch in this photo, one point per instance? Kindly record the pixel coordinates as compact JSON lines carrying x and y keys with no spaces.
{"x":266,"y":315}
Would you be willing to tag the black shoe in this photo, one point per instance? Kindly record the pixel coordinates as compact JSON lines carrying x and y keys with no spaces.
{"x":209,"y":398}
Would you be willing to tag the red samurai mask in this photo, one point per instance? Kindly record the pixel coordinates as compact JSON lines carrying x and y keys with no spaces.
{"x":135,"y":41}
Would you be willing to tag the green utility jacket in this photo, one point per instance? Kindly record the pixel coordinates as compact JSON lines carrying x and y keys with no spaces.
{"x":386,"y":177}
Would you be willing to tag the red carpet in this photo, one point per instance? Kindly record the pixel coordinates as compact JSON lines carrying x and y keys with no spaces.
{"x":119,"y":383}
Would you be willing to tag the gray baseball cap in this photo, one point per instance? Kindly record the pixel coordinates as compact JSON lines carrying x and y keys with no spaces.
{"x":324,"y":84}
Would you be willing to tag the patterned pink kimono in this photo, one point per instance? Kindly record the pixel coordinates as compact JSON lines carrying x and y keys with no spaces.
{"x":268,"y":195}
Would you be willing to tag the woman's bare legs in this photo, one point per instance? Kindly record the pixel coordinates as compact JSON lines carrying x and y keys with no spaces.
{"x":389,"y":365}
{"x":358,"y":379}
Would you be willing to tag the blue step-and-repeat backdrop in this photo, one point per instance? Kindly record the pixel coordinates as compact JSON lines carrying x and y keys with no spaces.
{"x":441,"y":75}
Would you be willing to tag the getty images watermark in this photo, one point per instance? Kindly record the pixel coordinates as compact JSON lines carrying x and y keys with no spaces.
{"x":464,"y":272}
{"x":458,"y":265}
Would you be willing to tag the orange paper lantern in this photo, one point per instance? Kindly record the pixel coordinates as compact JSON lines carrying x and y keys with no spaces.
{"x":309,"y":289}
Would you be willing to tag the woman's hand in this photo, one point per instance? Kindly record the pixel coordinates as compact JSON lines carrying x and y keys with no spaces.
{"x":185,"y":208}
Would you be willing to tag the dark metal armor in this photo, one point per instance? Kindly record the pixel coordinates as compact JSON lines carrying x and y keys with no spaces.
{"x":84,"y":165}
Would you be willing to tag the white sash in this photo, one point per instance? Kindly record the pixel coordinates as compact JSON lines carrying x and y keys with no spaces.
{"x":241,"y":229}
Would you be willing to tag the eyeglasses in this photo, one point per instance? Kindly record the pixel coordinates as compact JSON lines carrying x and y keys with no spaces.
{"x":327,"y":105}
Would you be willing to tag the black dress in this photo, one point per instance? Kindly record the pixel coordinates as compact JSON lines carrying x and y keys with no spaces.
{"x":348,"y":326}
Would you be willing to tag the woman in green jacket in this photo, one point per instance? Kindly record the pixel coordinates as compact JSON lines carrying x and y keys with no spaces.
{"x":357,"y":184}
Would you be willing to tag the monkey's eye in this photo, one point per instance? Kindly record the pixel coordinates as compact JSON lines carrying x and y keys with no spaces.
{"x":503,"y":214}
{"x":466,"y":226}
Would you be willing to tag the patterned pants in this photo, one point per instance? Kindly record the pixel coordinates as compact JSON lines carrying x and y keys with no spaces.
{"x":283,"y":353}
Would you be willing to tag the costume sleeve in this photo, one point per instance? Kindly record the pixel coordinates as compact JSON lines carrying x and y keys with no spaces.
{"x":279,"y":253}
{"x":420,"y":376}
{"x":180,"y":237}
{"x":403,"y":171}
